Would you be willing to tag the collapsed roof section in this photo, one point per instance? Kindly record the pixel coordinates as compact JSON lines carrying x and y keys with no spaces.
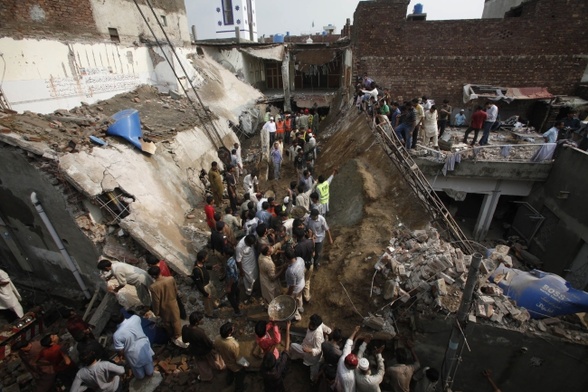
{"x":508,"y":94}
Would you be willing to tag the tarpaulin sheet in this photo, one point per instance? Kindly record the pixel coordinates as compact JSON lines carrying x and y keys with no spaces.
{"x":541,"y":293}
{"x":275,"y":53}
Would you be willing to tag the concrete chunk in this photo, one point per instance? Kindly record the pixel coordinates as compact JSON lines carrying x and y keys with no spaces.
{"x":440,"y":287}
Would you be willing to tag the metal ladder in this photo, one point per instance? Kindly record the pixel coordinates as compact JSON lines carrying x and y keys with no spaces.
{"x":419,"y":184}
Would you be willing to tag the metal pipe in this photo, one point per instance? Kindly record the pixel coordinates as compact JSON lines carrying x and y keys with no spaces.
{"x":451,"y":360}
{"x":66,"y":257}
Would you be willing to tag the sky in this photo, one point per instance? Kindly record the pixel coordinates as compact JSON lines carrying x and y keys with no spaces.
{"x":297,"y":16}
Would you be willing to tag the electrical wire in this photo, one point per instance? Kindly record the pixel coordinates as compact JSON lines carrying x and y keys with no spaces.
{"x":218,"y":142}
{"x":185,"y":72}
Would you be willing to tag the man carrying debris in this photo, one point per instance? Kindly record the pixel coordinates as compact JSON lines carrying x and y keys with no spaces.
{"x":310,"y":351}
{"x":126,"y":273}
{"x":365,"y":381}
{"x":345,"y":381}
{"x":216,"y":184}
{"x":164,"y":294}
{"x":401,"y":373}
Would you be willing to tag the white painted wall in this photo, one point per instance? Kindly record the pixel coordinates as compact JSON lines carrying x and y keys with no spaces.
{"x":45,"y":75}
{"x":248,"y":68}
{"x":124,"y":16}
{"x":206,"y":16}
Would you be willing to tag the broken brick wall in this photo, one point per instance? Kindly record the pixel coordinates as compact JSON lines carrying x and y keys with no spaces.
{"x":26,"y":18}
{"x":436,"y":58}
{"x":84,"y":20}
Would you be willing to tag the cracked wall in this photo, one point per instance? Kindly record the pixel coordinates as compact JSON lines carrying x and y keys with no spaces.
{"x":18,"y":179}
{"x":160,"y":185}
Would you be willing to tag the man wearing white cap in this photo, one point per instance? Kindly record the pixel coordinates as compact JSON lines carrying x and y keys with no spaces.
{"x":9,"y":296}
{"x":365,"y":381}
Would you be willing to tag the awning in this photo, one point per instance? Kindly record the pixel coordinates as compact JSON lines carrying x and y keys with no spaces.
{"x":508,"y":94}
{"x":275,"y":53}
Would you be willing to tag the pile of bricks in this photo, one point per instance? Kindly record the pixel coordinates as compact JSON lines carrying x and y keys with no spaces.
{"x":420,"y":265}
{"x":14,"y":376}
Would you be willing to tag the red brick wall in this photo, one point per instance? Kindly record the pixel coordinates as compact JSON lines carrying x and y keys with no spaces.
{"x":542,"y":47}
{"x":46,"y":18}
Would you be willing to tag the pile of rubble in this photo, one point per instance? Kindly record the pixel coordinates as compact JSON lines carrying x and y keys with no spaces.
{"x":419,"y":266}
{"x":15,"y":377}
{"x":162,"y":116}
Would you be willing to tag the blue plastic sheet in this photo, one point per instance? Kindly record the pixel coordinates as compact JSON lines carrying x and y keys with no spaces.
{"x":128,"y":126}
{"x":543,"y":294}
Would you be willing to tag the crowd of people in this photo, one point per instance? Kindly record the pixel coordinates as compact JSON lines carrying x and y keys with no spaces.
{"x":421,"y":119}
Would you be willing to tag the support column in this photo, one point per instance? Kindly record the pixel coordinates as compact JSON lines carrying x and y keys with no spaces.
{"x":486,"y":213}
{"x":286,"y":80}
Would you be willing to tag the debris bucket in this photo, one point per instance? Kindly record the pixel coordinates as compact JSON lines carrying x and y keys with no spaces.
{"x":282,"y":308}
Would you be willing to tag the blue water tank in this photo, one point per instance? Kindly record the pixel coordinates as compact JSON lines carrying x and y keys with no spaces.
{"x":279,"y":38}
{"x":418,"y":9}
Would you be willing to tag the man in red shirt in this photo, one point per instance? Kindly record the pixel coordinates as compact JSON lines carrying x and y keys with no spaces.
{"x":209,"y":211}
{"x":268,"y":337}
{"x":476,"y":124}
{"x":52,"y":355}
{"x":155,"y":262}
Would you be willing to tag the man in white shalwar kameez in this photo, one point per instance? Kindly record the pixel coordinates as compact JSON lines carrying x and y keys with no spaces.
{"x":247,"y":262}
{"x":9,"y":295}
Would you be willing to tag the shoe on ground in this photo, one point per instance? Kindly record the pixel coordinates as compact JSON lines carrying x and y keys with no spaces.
{"x":238,"y":314}
{"x":178,"y":342}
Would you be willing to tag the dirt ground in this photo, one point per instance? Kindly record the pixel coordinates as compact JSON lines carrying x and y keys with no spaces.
{"x":368,"y":200}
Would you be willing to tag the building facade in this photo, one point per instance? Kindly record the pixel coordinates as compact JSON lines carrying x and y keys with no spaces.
{"x":221,"y":18}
